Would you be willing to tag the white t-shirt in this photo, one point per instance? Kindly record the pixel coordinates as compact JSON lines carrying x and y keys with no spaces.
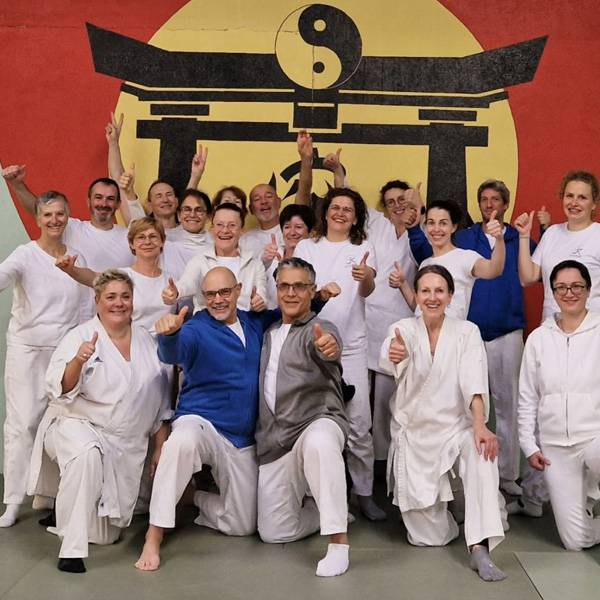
{"x":148,"y":306}
{"x":255,"y":240}
{"x":492,"y":240}
{"x":47,"y":303}
{"x":231,"y":262}
{"x":278,"y":337}
{"x":558,"y":244}
{"x":333,"y":261}
{"x":195,"y":242}
{"x":386,"y":305}
{"x":175,"y":257}
{"x":102,"y":249}
{"x":460,"y":263}
{"x":239,"y":331}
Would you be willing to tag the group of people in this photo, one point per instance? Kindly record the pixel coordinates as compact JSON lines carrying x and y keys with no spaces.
{"x":330,"y":336}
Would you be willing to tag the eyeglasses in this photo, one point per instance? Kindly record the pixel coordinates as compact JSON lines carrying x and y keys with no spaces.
{"x":223,"y":292}
{"x":395,"y":202}
{"x":152,"y":237}
{"x":286,"y":288}
{"x":576,"y":289}
{"x":196,"y":210}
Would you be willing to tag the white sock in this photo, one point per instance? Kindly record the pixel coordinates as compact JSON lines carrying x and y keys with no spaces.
{"x":9,"y":518}
{"x":335,"y":562}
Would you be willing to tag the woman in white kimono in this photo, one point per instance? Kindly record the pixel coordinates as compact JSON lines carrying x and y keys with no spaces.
{"x":107,"y":395}
{"x":46,"y":305}
{"x":228,"y":223}
{"x":340,"y":252}
{"x":558,"y":394}
{"x":439,"y":416}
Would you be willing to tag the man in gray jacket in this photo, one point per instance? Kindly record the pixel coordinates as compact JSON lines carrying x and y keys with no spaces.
{"x":302,"y":426}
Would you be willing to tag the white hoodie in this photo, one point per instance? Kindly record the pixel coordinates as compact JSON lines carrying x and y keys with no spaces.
{"x":559,"y":386}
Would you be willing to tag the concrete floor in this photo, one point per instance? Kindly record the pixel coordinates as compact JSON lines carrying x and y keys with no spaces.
{"x":200,"y":563}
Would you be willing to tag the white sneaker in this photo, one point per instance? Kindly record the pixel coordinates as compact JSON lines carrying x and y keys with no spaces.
{"x":524,"y":507}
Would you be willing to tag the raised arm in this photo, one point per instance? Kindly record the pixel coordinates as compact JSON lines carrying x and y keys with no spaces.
{"x":15,"y":177}
{"x":113,"y":133}
{"x":489,"y":269}
{"x":333,"y":163}
{"x":197,"y":167}
{"x":81,"y":275}
{"x":74,"y":367}
{"x":397,"y":279}
{"x":305,"y":150}
{"x":529,"y":272}
{"x":130,"y":207}
{"x":365,"y":275}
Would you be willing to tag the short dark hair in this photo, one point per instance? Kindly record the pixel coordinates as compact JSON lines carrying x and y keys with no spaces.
{"x":497,"y":186}
{"x":237,"y":192}
{"x":296,"y":263}
{"x":571,"y":264}
{"x":583,"y":176}
{"x":357,"y":232}
{"x":200,"y":196}
{"x":450,"y":207}
{"x":229,"y":206}
{"x":157,"y":182}
{"x":436,"y":270}
{"x":105,"y":181}
{"x":390,"y":185}
{"x":306,"y":213}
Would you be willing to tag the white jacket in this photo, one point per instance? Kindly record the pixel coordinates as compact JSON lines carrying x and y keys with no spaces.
{"x":251,"y":274}
{"x":559,"y":385}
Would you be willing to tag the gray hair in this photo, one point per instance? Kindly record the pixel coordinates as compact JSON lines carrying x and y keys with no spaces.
{"x":46,"y":198}
{"x":296,"y":263}
{"x":108,"y":276}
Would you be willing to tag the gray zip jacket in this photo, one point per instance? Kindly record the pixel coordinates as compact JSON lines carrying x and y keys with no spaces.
{"x":308,"y":388}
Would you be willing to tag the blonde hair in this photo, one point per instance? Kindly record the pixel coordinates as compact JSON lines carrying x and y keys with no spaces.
{"x":108,"y":276}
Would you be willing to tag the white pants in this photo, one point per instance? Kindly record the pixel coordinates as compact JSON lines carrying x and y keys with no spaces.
{"x":504,"y":363}
{"x":26,"y":402}
{"x":573,"y":477}
{"x":72,"y":445}
{"x":384,"y":389}
{"x":360,"y":443}
{"x":435,"y":526}
{"x":195,"y":442}
{"x":315,"y":464}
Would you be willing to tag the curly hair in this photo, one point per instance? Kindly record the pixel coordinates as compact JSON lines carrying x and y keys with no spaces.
{"x":358,"y":232}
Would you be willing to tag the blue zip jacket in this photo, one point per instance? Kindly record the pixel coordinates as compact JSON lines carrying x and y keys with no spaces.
{"x":497,"y":306}
{"x":220,"y":374}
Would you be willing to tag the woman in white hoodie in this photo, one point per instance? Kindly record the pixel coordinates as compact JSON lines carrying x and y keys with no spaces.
{"x":560,"y":394}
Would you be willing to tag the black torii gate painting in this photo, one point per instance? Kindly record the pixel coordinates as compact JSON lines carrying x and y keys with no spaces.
{"x":180,"y":87}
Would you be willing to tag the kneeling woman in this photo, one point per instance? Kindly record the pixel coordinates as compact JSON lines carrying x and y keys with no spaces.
{"x":558,"y":393}
{"x":107,"y":394}
{"x":438,"y":416}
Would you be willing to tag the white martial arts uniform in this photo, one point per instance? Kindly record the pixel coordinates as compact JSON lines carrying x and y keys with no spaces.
{"x":383,"y":307}
{"x":47,"y":303}
{"x":91,"y":444}
{"x":460,"y":263}
{"x":255,"y":240}
{"x":559,"y":393}
{"x":558,"y":244}
{"x":250,"y":273}
{"x":195,"y":442}
{"x":102,"y":248}
{"x":333,"y":261}
{"x":432,"y":427}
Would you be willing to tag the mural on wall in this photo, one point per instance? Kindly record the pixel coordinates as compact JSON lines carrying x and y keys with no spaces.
{"x":317,"y":67}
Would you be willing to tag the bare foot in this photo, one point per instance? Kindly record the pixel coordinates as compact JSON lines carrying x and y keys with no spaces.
{"x":149,"y":559}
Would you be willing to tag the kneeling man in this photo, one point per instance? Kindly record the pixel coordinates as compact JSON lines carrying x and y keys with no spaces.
{"x":302,"y":426}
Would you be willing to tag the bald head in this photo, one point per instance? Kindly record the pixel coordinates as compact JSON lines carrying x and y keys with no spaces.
{"x":221,"y":292}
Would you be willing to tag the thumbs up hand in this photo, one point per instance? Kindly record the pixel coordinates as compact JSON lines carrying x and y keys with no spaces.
{"x":494,"y":227}
{"x":544,"y":218}
{"x":359,"y":272}
{"x":169,"y":324}
{"x":397,"y":277}
{"x":87,"y":349}
{"x":257,"y":302}
{"x":397,"y":352}
{"x":523,"y":223}
{"x":271,"y":252}
{"x":325,"y":342}
{"x":66,"y":263}
{"x":170,"y":293}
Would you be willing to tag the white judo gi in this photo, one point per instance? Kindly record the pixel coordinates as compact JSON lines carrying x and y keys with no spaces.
{"x":333,"y":261}
{"x":432,"y":427}
{"x":91,"y":444}
{"x":559,"y":393}
{"x":47,"y":303}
